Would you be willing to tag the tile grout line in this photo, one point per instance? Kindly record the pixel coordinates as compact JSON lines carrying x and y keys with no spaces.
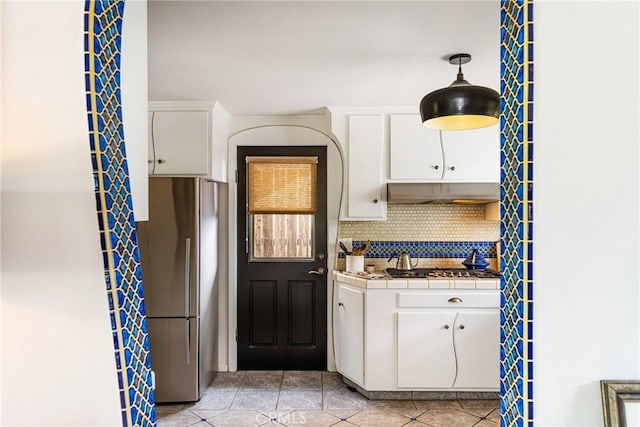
{"x":279,"y":391}
{"x":235,"y":395}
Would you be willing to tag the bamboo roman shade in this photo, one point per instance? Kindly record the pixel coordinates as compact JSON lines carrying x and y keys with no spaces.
{"x":282,"y":185}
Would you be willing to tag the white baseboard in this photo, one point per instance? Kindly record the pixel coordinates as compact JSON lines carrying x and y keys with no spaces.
{"x":222,"y":368}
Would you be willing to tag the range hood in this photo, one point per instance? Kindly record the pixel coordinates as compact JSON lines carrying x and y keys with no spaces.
{"x":409,"y":193}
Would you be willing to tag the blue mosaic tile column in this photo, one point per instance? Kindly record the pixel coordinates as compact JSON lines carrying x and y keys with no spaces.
{"x":516,"y":121}
{"x":122,"y":271}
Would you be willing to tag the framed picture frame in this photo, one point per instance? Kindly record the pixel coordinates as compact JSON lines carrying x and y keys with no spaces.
{"x":616,"y":396}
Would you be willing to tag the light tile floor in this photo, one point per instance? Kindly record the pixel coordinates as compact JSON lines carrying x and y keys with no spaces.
{"x":314,"y":399}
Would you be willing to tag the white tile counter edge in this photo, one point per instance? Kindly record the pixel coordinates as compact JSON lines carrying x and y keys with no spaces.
{"x":363,"y":282}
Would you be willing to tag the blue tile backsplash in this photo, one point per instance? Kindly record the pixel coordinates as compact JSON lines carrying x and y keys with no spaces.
{"x":421,"y":249}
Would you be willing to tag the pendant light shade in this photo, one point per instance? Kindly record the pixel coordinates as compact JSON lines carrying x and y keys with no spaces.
{"x":461,"y":105}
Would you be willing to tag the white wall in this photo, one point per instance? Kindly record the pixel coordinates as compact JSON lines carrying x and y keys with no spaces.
{"x":135,"y":102}
{"x":58,"y":365}
{"x":587,"y":289}
{"x":279,"y":135}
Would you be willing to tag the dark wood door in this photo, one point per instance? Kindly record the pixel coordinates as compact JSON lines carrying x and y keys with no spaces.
{"x":282,"y":317}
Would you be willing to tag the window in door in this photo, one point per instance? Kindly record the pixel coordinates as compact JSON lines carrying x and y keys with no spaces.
{"x":282,"y":203}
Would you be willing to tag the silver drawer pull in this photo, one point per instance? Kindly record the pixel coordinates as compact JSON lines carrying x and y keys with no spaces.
{"x":455,"y":300}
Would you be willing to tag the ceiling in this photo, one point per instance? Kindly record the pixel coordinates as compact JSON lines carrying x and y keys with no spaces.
{"x":264,"y":58}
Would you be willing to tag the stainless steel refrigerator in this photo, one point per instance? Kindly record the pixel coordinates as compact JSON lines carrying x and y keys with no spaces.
{"x":178,"y":253}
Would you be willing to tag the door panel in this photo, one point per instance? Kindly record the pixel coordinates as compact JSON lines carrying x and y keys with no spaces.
{"x":173,"y":344}
{"x":263,"y":311}
{"x":281,"y":306}
{"x":302,"y":313}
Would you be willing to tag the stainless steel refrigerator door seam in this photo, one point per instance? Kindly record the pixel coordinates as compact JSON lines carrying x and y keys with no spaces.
{"x":187,"y":276}
{"x":188,"y":340}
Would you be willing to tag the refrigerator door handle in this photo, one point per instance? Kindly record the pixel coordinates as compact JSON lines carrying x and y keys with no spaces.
{"x":187,"y":277}
{"x":188,"y":340}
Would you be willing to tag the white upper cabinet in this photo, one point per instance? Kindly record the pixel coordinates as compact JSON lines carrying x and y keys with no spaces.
{"x":420,"y":154}
{"x":361,"y":132}
{"x":472,"y":155}
{"x":414,"y":151}
{"x":180,"y":142}
{"x":365,"y":159}
{"x":188,"y":139}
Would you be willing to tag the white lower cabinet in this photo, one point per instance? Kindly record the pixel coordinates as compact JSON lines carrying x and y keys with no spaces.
{"x":432,"y":339}
{"x":477,"y":345}
{"x":350,"y":349}
{"x":425,"y":350}
{"x":449,"y":350}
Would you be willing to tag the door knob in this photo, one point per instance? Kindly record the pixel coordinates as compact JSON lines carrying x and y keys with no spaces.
{"x":319,"y":271}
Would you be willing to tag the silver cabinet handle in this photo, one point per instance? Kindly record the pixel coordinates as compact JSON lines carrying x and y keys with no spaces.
{"x":436,"y":167}
{"x":454,"y":300}
{"x":188,"y":341}
{"x":160,"y":161}
{"x":375,"y":200}
{"x":319,"y":271}
{"x":446,"y":326}
{"x":452,"y":168}
{"x":340,"y":304}
{"x":187,"y":277}
{"x":461,"y":326}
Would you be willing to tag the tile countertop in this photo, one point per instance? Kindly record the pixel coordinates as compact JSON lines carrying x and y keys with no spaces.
{"x":388,"y":283}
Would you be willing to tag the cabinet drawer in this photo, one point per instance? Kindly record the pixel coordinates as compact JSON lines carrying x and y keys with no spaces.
{"x":448,"y":299}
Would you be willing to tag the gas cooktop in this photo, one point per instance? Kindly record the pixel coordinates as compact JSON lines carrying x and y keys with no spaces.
{"x":443,"y":273}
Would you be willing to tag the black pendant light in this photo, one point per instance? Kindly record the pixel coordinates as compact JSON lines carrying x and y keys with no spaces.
{"x":461,"y":105}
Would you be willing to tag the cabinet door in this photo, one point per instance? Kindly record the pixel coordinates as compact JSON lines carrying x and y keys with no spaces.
{"x":425,"y":349}
{"x":350,"y":351}
{"x":414,"y":150}
{"x":472,"y":155}
{"x":365,"y":167}
{"x":477,"y":338}
{"x":181,"y":142}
